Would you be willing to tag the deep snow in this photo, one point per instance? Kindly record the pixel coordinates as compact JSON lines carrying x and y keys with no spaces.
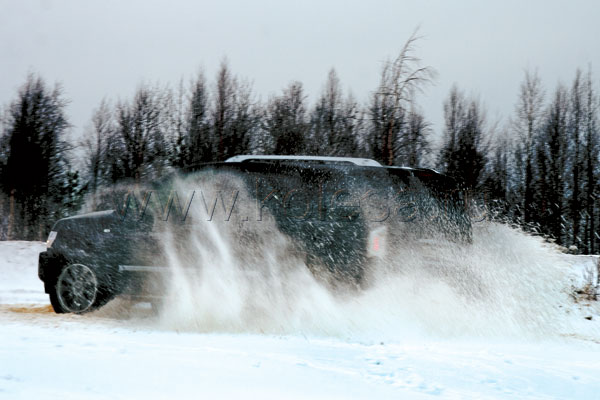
{"x":334,"y":347}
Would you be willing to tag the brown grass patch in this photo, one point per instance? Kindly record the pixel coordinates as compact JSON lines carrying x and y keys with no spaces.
{"x":31,"y":309}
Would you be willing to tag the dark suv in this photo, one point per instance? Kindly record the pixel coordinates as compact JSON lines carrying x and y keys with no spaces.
{"x":328,"y":206}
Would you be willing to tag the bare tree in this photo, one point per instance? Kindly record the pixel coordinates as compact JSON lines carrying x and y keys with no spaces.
{"x":497,"y":181}
{"x":347,"y":142}
{"x":199,"y":143}
{"x":285,"y":120}
{"x":552,"y":150}
{"x":96,"y":144}
{"x":224,"y":110}
{"x":463,"y":152}
{"x":176,"y":121}
{"x":417,"y":132}
{"x":529,"y":112}
{"x":140,"y":127}
{"x":400,"y":79}
{"x":333,"y":121}
{"x":246,"y":120}
{"x":234,"y":115}
{"x":575,"y":129}
{"x":591,"y":151}
{"x":325,"y":118}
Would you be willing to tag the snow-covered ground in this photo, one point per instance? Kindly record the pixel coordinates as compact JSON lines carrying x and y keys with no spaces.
{"x":120,"y":354}
{"x":19,"y":282}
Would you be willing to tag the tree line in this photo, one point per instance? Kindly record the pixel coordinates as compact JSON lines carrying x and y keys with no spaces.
{"x":539,"y":170}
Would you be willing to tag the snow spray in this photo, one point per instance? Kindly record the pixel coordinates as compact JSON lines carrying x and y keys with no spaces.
{"x":238,"y":273}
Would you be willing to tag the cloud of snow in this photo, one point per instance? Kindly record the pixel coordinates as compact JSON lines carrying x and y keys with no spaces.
{"x":244,"y":276}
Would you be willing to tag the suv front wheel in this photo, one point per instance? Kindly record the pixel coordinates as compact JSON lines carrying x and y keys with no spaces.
{"x":75,"y":290}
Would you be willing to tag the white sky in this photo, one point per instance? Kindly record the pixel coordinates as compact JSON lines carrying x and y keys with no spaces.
{"x":106,"y":48}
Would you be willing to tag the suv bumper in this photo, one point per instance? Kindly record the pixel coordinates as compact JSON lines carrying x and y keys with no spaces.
{"x":48,"y":260}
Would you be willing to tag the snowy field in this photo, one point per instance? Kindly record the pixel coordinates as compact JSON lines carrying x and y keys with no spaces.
{"x":434,"y":346}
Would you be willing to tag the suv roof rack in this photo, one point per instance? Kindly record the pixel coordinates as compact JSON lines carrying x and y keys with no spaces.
{"x":365,"y":162}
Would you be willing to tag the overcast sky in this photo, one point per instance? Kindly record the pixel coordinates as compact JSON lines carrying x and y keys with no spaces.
{"x":106,"y":48}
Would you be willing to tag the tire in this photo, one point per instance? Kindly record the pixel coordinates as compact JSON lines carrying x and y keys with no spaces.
{"x":75,"y":290}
